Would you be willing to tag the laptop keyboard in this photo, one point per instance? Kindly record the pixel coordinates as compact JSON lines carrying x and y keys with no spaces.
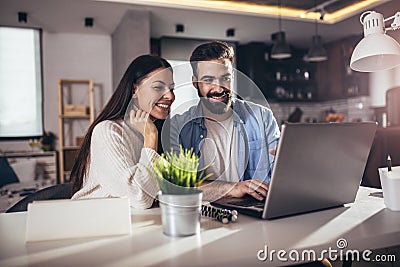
{"x":248,"y":202}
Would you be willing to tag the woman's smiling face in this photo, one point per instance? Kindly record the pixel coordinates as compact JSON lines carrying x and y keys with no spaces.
{"x":154,"y":94}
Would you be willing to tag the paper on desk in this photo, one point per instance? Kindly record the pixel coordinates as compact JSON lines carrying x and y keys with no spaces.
{"x":60,"y":219}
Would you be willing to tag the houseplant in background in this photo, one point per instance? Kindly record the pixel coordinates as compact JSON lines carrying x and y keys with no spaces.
{"x":180,"y":200}
{"x":47,"y":141}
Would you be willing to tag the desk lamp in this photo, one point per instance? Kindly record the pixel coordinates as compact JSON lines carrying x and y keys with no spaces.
{"x":376,"y":51}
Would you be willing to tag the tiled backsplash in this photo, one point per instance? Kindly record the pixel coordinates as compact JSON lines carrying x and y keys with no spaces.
{"x":354,"y":109}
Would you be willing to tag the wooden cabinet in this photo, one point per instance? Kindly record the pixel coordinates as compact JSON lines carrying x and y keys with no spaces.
{"x":335,"y":78}
{"x":290,"y":79}
{"x":329,"y":74}
{"x":294,"y":79}
{"x":250,"y":61}
{"x":75,"y":114}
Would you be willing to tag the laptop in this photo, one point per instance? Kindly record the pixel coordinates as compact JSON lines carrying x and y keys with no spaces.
{"x":317,"y":166}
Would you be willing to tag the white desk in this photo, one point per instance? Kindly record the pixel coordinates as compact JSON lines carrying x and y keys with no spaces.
{"x":366,"y":224}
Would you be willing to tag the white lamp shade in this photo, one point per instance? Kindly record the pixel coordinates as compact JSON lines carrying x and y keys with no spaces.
{"x":375,"y":52}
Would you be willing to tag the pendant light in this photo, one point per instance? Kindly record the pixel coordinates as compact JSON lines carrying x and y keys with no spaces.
{"x":317,"y":52}
{"x":280,"y":49}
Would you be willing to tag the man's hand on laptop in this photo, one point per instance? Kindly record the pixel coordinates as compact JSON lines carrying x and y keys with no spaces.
{"x":255,"y":187}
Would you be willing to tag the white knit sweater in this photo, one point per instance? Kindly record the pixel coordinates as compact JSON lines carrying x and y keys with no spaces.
{"x":119,"y":166}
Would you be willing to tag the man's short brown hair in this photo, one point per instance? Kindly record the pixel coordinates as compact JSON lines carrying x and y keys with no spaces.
{"x":211,"y":51}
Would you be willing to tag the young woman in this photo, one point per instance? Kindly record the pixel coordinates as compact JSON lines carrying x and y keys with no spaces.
{"x":117,"y":153}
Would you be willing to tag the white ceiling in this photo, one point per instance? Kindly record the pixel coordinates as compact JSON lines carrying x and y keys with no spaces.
{"x":68,"y":16}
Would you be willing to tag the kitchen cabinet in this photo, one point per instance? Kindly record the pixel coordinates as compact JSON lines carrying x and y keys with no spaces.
{"x":335,"y":78}
{"x":250,"y":61}
{"x":296,"y":80}
{"x":290,"y":79}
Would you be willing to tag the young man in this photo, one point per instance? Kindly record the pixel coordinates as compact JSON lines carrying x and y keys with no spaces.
{"x":235,"y":139}
{"x":232,"y":137}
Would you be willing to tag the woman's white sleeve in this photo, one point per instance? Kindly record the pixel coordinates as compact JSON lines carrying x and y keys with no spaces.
{"x":118,"y":170}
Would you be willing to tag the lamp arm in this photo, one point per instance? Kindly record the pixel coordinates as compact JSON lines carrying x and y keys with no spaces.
{"x":396,"y":22}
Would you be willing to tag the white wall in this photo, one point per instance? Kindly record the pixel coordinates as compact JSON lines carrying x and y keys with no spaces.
{"x":71,"y":56}
{"x":129,"y":40}
{"x":75,"y":56}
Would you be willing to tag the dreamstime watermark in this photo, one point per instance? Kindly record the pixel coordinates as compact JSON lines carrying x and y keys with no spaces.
{"x":338,"y":253}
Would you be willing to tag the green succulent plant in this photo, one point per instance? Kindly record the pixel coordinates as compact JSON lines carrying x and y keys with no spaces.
{"x":175,"y":173}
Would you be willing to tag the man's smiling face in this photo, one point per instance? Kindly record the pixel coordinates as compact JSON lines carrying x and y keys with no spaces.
{"x":214,"y":83}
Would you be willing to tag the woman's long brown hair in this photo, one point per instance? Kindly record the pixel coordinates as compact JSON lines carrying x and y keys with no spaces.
{"x":115,"y":109}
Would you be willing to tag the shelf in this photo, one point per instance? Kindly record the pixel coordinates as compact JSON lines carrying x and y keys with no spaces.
{"x":27,"y":153}
{"x":297,"y":81}
{"x":295,"y":100}
{"x":287,"y":80}
{"x":68,"y":90}
{"x":72,"y":147}
{"x":75,"y":116}
{"x":327,"y":80}
{"x":66,"y":81}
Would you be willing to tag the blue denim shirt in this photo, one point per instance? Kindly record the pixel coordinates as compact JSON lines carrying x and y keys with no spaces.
{"x":256,"y":129}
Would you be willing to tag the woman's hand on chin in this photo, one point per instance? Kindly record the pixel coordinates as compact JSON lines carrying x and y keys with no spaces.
{"x":141,"y":122}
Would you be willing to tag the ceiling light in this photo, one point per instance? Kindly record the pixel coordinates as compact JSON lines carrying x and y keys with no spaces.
{"x":179,"y":28}
{"x":376,"y":51}
{"x":88,"y":22}
{"x":317,"y":52}
{"x":259,"y":8}
{"x":230,"y":32}
{"x":280,"y":49}
{"x":23,"y":17}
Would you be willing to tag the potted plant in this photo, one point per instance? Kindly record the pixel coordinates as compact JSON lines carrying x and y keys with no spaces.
{"x":180,"y":200}
{"x":47,"y":141}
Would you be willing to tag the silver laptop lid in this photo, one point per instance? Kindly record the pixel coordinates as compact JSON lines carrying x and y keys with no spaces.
{"x":317,"y":166}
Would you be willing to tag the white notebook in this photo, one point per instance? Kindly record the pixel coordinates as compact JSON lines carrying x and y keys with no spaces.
{"x":61,"y":219}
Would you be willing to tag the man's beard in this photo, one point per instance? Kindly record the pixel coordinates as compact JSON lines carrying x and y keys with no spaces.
{"x":217,"y":107}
